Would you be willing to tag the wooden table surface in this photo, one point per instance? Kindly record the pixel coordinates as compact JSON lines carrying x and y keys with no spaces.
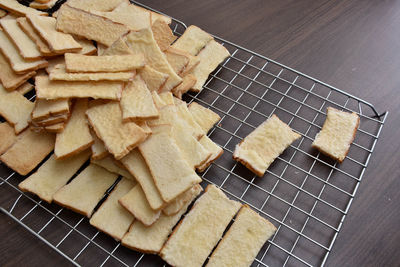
{"x":353,"y":45}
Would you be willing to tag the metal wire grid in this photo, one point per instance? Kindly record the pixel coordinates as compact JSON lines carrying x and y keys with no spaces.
{"x":303,"y":193}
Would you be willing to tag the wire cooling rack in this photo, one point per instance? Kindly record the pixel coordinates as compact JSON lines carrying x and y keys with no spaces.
{"x":303,"y":193}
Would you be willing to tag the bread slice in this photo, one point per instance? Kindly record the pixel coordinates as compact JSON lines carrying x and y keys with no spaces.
{"x":95,"y":5}
{"x":2,"y":13}
{"x":84,"y":192}
{"x":25,"y":88}
{"x":204,"y":117}
{"x":9,"y":78}
{"x":119,"y":47}
{"x":153,"y":78}
{"x":136,"y":102}
{"x":76,"y":136}
{"x":51,"y":120}
{"x":88,"y":47}
{"x":136,"y":203}
{"x":188,"y":81}
{"x":52,"y":175}
{"x":193,"y":40}
{"x":151,"y":239}
{"x":136,"y":165}
{"x":16,"y":8}
{"x":210,"y":57}
{"x":243,"y":240}
{"x":8,"y":137}
{"x":38,"y":5}
{"x":99,"y":151}
{"x":16,"y":109}
{"x":109,"y":163}
{"x":48,"y":108}
{"x":157,"y":100}
{"x":215,"y":150}
{"x":114,"y":63}
{"x":118,"y":137}
{"x":178,"y":203}
{"x":92,"y":27}
{"x":184,"y":113}
{"x":162,"y":34}
{"x":28,"y":151}
{"x":193,"y":62}
{"x":337,"y":133}
{"x":167,"y":98}
{"x":178,"y":59}
{"x":171,"y":173}
{"x":111,"y":218}
{"x":53,"y":62}
{"x":262,"y":146}
{"x":142,"y":42}
{"x":198,"y":233}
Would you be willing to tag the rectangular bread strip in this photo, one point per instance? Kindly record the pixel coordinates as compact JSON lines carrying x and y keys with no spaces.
{"x":16,"y":109}
{"x":19,"y":9}
{"x":109,"y":164}
{"x":198,"y":233}
{"x":193,"y":40}
{"x":99,"y":151}
{"x":26,"y":47}
{"x":8,"y":137}
{"x":210,"y":146}
{"x":243,"y":240}
{"x":52,"y":175}
{"x":111,"y":218}
{"x":86,"y":190}
{"x":137,"y":166}
{"x":58,"y":73}
{"x":88,"y":48}
{"x":28,"y":151}
{"x":162,"y":34}
{"x":136,"y":203}
{"x":25,"y":88}
{"x":114,"y":63}
{"x":167,"y":98}
{"x":119,"y":47}
{"x":118,"y":137}
{"x":153,"y":78}
{"x":38,"y":5}
{"x":47,"y":89}
{"x":193,"y":62}
{"x":337,"y":133}
{"x":98,"y":5}
{"x":51,"y":120}
{"x":9,"y":78}
{"x":210,"y":57}
{"x":18,"y":64}
{"x":58,"y":42}
{"x":188,"y":81}
{"x":171,"y":173}
{"x":204,"y":117}
{"x":92,"y":27}
{"x":55,"y":128}
{"x":263,"y":145}
{"x":183,"y":112}
{"x":76,"y":136}
{"x":178,"y":203}
{"x":53,"y":62}
{"x":178,"y":59}
{"x":157,"y":100}
{"x":47,"y":108}
{"x":30,"y":31}
{"x":151,"y":239}
{"x":143,"y":42}
{"x":136,"y":102}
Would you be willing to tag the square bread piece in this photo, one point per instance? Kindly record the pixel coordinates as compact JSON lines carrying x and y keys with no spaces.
{"x":198,"y":233}
{"x":263,"y":145}
{"x":337,"y":133}
{"x":243,"y":240}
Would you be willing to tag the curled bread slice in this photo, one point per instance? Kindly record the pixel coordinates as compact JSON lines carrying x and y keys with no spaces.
{"x":109,"y":163}
{"x":136,"y":203}
{"x":76,"y":136}
{"x":178,"y":203}
{"x":52,"y":175}
{"x":153,"y":78}
{"x":263,"y":145}
{"x":114,"y":63}
{"x":210,"y":57}
{"x":48,"y":108}
{"x":337,"y":133}
{"x":143,"y":42}
{"x":118,"y":137}
{"x":16,"y":8}
{"x":93,"y":27}
{"x":8,"y":137}
{"x":193,"y":40}
{"x":151,"y":239}
{"x":9,"y":78}
{"x":28,"y":151}
{"x":215,"y":150}
{"x":204,"y":117}
{"x":162,"y":34}
{"x":243,"y":240}
{"x":84,"y":192}
{"x":198,"y":233}
{"x":111,"y":218}
{"x":171,"y":173}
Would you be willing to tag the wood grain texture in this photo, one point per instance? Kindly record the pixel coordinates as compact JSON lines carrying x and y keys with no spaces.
{"x":352,"y":45}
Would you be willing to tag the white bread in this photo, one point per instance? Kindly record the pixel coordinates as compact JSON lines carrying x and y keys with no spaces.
{"x":204,"y":117}
{"x":8,"y":136}
{"x":39,"y":5}
{"x":178,"y":203}
{"x":171,"y":173}
{"x":193,"y":40}
{"x":153,"y":78}
{"x":2,"y":13}
{"x":243,"y":240}
{"x":198,"y":233}
{"x":151,"y":239}
{"x":136,"y":203}
{"x":50,"y":120}
{"x":184,"y":113}
{"x":136,"y":165}
{"x":52,"y":175}
{"x":178,"y":59}
{"x":109,"y":163}
{"x":25,"y":88}
{"x":162,"y":34}
{"x":263,"y":145}
{"x":8,"y":78}
{"x":99,"y":151}
{"x":84,"y":192}
{"x":119,"y":47}
{"x":337,"y":133}
{"x":16,"y":8}
{"x":48,"y":108}
{"x":88,"y":47}
{"x":95,"y":5}
{"x":188,"y":81}
{"x":167,"y":98}
{"x":215,"y":150}
{"x":111,"y":218}
{"x":157,"y":100}
{"x":193,"y":62}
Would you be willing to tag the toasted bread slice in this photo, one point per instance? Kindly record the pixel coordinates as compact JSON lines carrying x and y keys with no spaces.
{"x":337,"y":133}
{"x":204,"y":117}
{"x":51,"y":120}
{"x":167,"y":98}
{"x":48,"y":108}
{"x":25,"y":88}
{"x":178,"y":59}
{"x":95,"y":5}
{"x":193,"y":40}
{"x":243,"y":240}
{"x":9,"y":78}
{"x":153,"y":78}
{"x":8,"y":137}
{"x":88,"y":47}
{"x":42,"y":6}
{"x":2,"y":13}
{"x":99,"y":151}
{"x":188,"y":81}
{"x":119,"y":47}
{"x":162,"y":34}
{"x":198,"y":233}
{"x":109,"y":163}
{"x":215,"y":150}
{"x":184,"y":113}
{"x":178,"y":203}
{"x":262,"y":146}
{"x":157,"y":100}
{"x":52,"y":175}
{"x":16,"y":8}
